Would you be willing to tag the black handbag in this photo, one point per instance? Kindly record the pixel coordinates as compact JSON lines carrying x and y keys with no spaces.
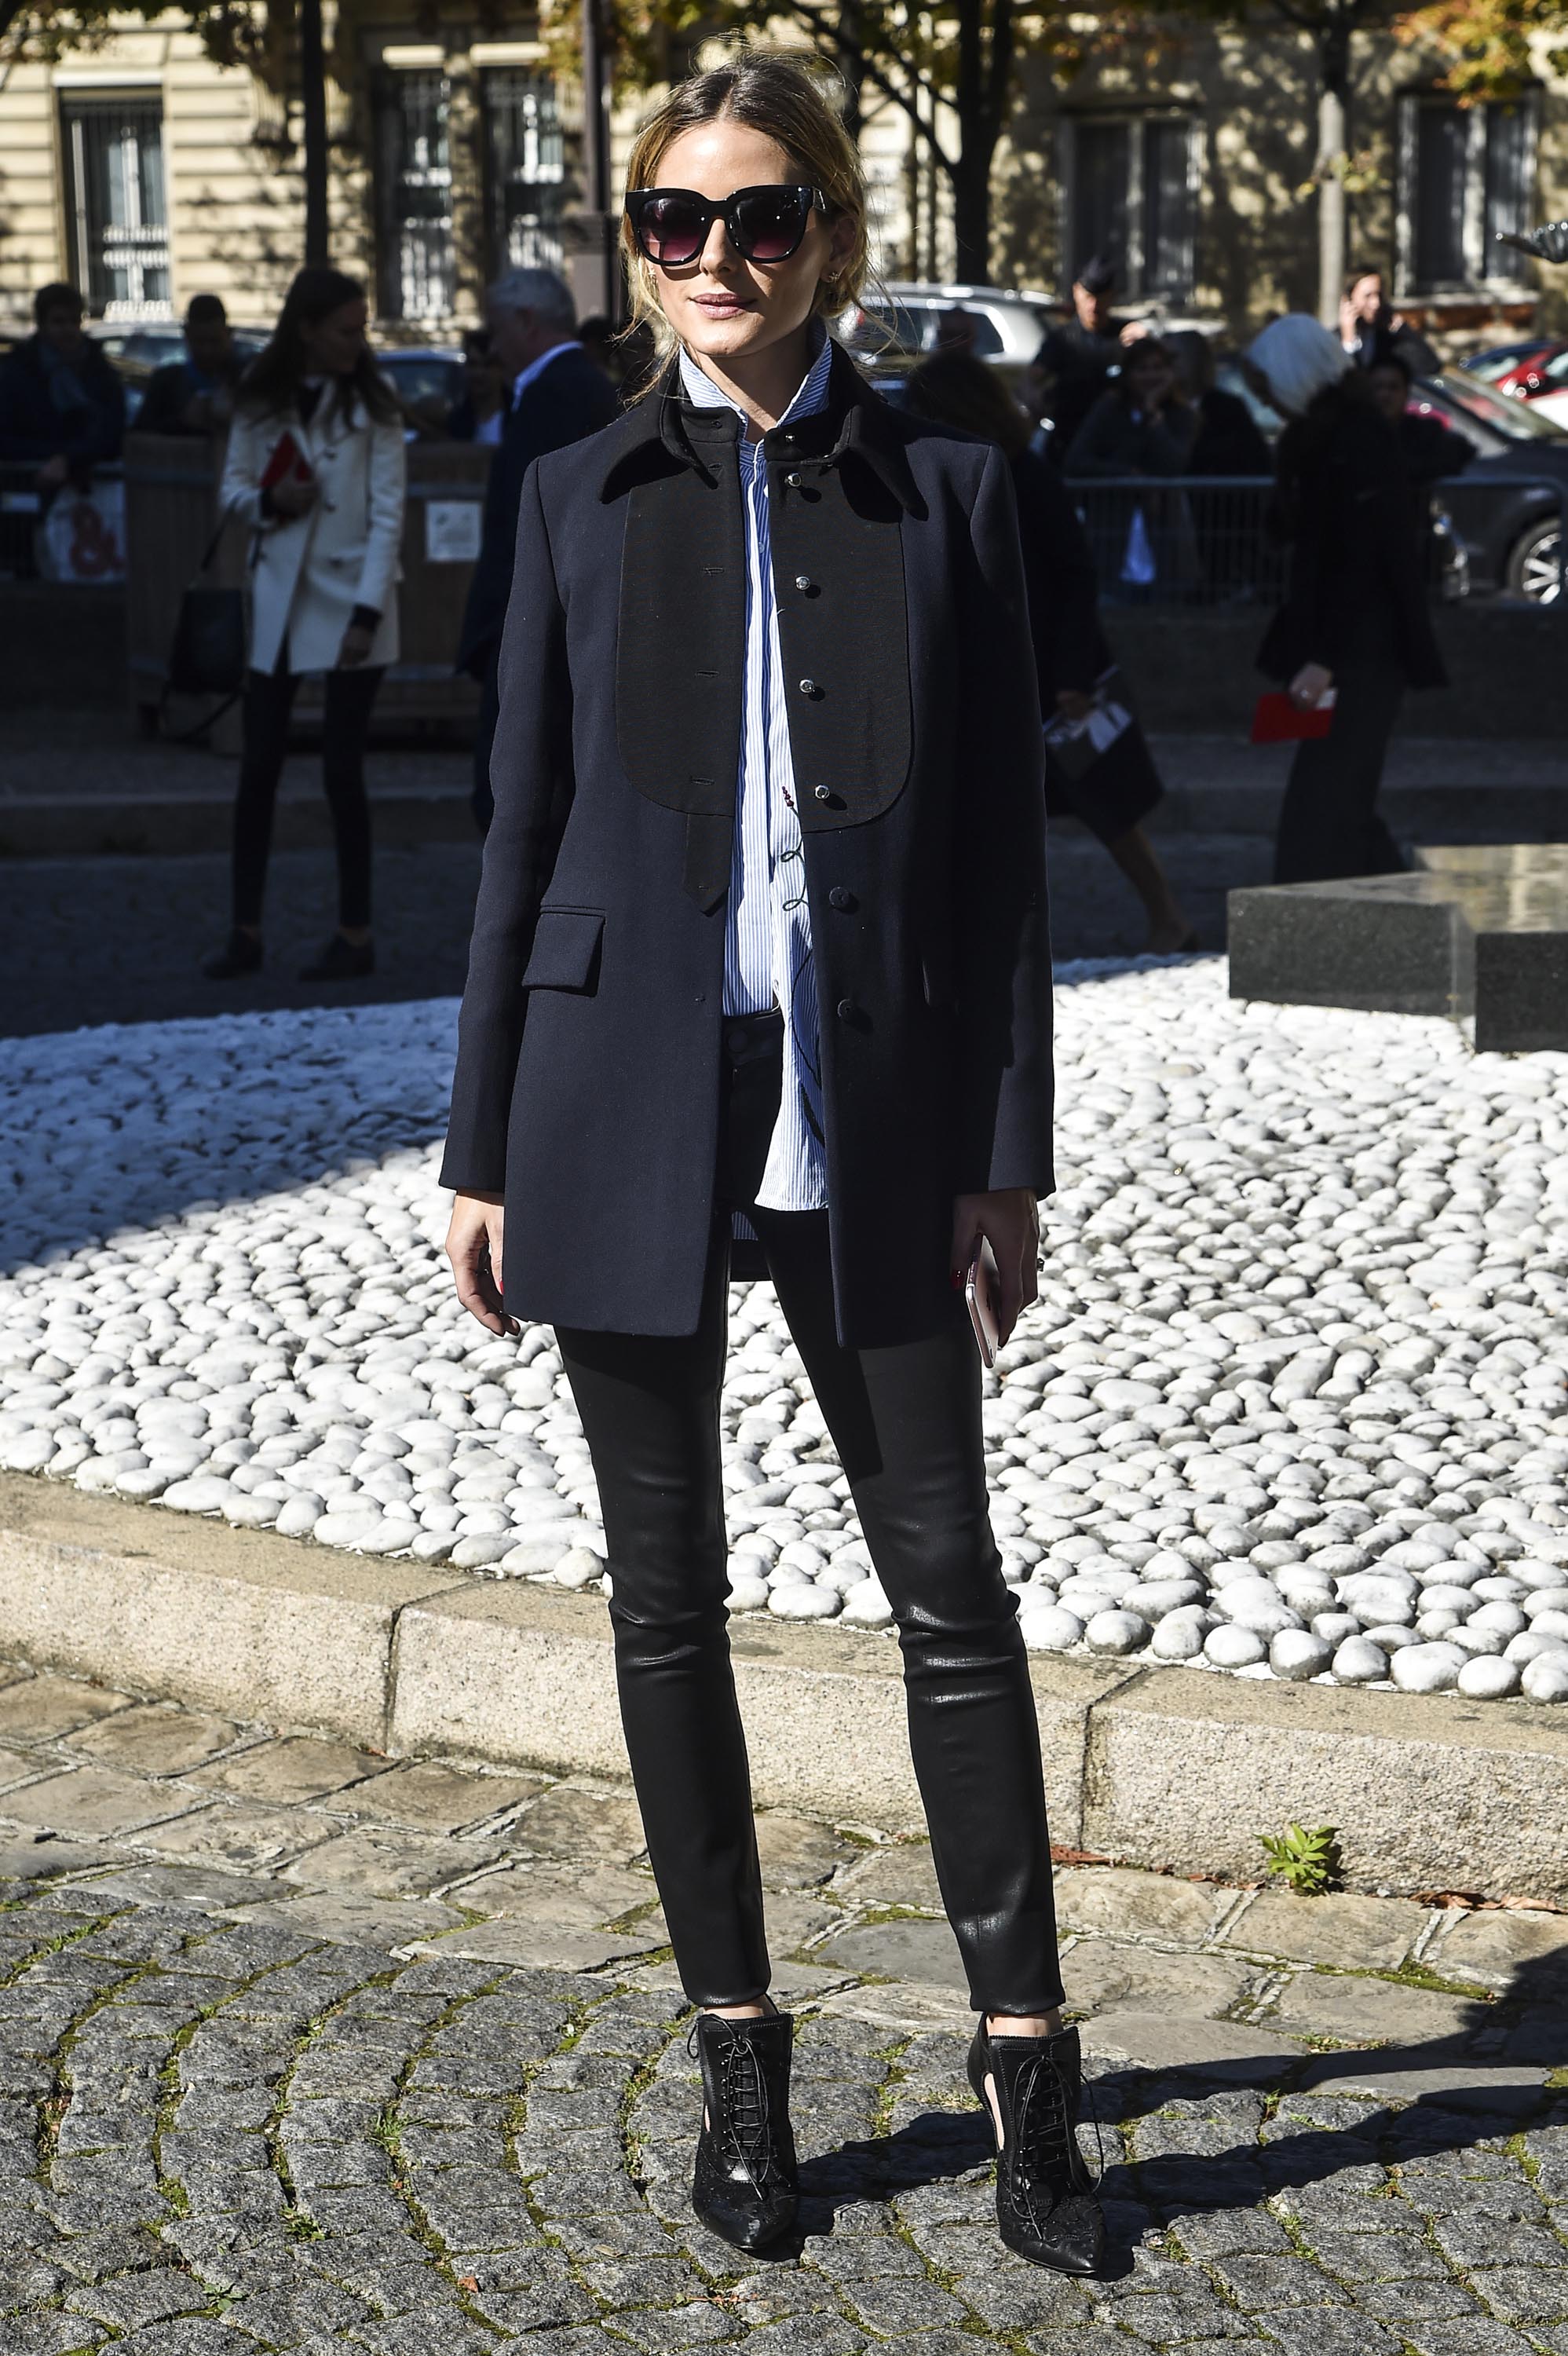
{"x":207,"y":657}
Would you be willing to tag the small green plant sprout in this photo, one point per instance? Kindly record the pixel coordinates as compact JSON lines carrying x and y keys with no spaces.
{"x":1307,"y":1862}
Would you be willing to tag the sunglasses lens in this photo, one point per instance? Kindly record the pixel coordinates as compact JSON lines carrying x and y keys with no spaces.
{"x":671,"y":230}
{"x":770,"y":223}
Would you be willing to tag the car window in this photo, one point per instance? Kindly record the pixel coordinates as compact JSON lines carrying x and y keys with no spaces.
{"x":421,"y":378}
{"x":1490,"y":365}
{"x":1555,"y":370}
{"x":1514,"y":420}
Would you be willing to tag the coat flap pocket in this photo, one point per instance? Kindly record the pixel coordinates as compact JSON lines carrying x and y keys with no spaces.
{"x":565,"y":949}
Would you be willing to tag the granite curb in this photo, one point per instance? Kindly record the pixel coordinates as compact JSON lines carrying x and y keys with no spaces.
{"x":1175,"y":1768}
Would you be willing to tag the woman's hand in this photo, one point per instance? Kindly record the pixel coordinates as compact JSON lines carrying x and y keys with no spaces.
{"x":474,"y":1248}
{"x":1009,"y":1221}
{"x":357,"y":642}
{"x":1073,"y":705}
{"x":1309,"y":686}
{"x":291,"y":498}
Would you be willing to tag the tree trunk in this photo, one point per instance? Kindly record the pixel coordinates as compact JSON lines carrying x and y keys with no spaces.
{"x":971,"y":180}
{"x":1334,"y":67}
{"x":312,"y":91}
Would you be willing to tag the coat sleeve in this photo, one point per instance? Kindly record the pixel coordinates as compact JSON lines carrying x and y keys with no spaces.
{"x":531,"y":779}
{"x":1002,"y":931}
{"x":243,"y":464}
{"x":387,"y":467}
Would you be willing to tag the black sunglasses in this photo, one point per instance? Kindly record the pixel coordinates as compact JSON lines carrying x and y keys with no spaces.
{"x":765,"y":224}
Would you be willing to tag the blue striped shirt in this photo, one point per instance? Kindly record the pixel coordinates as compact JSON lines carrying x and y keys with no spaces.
{"x":767,"y":941}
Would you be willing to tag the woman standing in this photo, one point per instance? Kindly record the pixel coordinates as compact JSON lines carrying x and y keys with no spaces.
{"x":760,"y":983}
{"x":1142,"y":425}
{"x":1354,"y":618}
{"x":315,"y":464}
{"x":1114,"y":793}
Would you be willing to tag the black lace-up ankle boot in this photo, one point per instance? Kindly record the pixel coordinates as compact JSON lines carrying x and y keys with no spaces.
{"x":1047,"y":2208}
{"x":744,"y":2187}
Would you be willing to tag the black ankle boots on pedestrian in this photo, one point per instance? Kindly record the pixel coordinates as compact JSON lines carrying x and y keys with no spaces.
{"x":1046,"y":2207}
{"x":744,"y":2187}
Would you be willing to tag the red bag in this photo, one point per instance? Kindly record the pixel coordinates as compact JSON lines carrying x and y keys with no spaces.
{"x":1278,"y":721}
{"x":287,"y":459}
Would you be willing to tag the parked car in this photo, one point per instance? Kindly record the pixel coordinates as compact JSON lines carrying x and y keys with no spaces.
{"x":427,"y":380}
{"x":1515,"y":367}
{"x":1511,"y":526}
{"x":136,"y":349}
{"x":1009,"y":327}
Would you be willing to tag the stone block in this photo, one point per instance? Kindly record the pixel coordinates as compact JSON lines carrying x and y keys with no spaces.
{"x":1104,"y":1972}
{"x":1475,"y":932}
{"x":299,"y":1767}
{"x":349,"y":1920}
{"x":1320,"y":2004}
{"x":227,"y":1620}
{"x":570,"y":1822}
{"x":901,"y":1875}
{"x":564,"y":1897}
{"x":1428,"y":1790}
{"x":920,"y":1951}
{"x":242,"y":1837}
{"x":1502,"y":1947}
{"x":434,"y":1798}
{"x":1232,"y":2051}
{"x":90,"y":1802}
{"x":386,"y":1862}
{"x":157,"y":1738}
{"x":798,"y":1852}
{"x":1124,"y":1903}
{"x":43,"y":1708}
{"x":1346,"y":1929}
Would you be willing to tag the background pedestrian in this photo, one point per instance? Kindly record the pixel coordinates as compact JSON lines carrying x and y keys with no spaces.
{"x":1073,"y":365}
{"x":479,"y":413}
{"x":1141,"y":425}
{"x":1354,"y":618}
{"x":61,"y":404}
{"x":315,"y":466}
{"x":1114,"y":793}
{"x":555,"y":395}
{"x":195,"y":395}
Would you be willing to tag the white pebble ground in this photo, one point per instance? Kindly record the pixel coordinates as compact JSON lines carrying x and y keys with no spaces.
{"x":1294,"y":1402}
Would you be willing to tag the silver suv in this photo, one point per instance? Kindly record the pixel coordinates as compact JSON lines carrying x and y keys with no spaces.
{"x":1009,"y":327}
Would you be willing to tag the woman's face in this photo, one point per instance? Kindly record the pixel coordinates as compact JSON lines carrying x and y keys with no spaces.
{"x":721,"y":307}
{"x":1151,"y":380}
{"x":332,"y":345}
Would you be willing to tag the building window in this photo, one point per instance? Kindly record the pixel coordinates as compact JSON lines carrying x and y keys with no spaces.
{"x":417,"y":253}
{"x":524,"y":165}
{"x":1467,"y":175}
{"x":1131,"y":186}
{"x":115,"y":204}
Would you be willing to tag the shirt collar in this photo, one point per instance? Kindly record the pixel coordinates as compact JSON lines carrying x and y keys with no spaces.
{"x":810,"y":397}
{"x":525,"y":376}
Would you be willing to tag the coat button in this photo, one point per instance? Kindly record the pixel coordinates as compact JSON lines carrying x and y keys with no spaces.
{"x":823,"y":793}
{"x":794,"y":482}
{"x":839,"y":898}
{"x":809,"y":687}
{"x":846,"y":1009}
{"x":803,"y":582}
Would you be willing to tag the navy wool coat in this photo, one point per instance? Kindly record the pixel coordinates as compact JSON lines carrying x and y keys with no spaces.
{"x":591,"y":1046}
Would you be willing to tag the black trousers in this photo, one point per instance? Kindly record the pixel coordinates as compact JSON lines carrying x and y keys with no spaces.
{"x":906,"y":1424}
{"x":264,"y":743}
{"x":1328,"y":824}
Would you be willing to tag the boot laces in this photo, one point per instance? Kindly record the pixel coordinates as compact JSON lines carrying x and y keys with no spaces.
{"x":1050,"y":2163}
{"x":745,"y":2118}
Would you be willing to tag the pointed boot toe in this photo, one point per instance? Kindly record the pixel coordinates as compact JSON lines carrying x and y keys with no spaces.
{"x":745,"y":2187}
{"x":1048,"y":2207}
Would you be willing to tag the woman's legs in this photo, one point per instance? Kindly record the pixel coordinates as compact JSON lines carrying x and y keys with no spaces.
{"x":264,"y":740}
{"x":906,"y":1424}
{"x":650,"y":1412}
{"x":1168,"y":929}
{"x":1328,"y":824}
{"x":346,"y":721}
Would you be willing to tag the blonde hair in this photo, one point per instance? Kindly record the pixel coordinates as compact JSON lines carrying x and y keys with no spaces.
{"x":777,"y":93}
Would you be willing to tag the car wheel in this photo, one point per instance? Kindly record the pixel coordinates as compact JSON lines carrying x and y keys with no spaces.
{"x":1534,"y":565}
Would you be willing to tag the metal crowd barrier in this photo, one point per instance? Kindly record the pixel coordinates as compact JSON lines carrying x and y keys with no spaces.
{"x":1210,"y":540}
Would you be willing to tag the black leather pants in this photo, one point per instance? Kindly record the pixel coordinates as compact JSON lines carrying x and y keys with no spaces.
{"x":906,"y":1424}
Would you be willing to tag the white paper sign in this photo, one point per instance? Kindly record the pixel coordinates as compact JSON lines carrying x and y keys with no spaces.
{"x":451,"y":530}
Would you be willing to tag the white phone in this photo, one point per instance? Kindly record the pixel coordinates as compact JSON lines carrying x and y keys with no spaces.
{"x":981,"y":1285}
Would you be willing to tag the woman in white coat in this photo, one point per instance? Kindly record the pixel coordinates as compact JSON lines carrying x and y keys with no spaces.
{"x":316,"y":466}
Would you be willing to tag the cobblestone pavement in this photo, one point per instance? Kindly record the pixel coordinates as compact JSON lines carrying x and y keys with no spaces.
{"x":121,"y":940}
{"x":304,"y":2049}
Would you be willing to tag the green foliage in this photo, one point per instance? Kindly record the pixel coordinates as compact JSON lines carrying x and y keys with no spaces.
{"x":1306,"y":1862}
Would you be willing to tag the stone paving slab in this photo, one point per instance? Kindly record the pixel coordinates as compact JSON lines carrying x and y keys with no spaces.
{"x":1429,"y":1790}
{"x":243,"y":2115}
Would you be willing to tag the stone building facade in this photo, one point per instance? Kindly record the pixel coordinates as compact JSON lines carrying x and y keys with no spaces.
{"x":146,"y":173}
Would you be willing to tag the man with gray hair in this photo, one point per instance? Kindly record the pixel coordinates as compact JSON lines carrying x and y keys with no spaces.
{"x":555,"y":395}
